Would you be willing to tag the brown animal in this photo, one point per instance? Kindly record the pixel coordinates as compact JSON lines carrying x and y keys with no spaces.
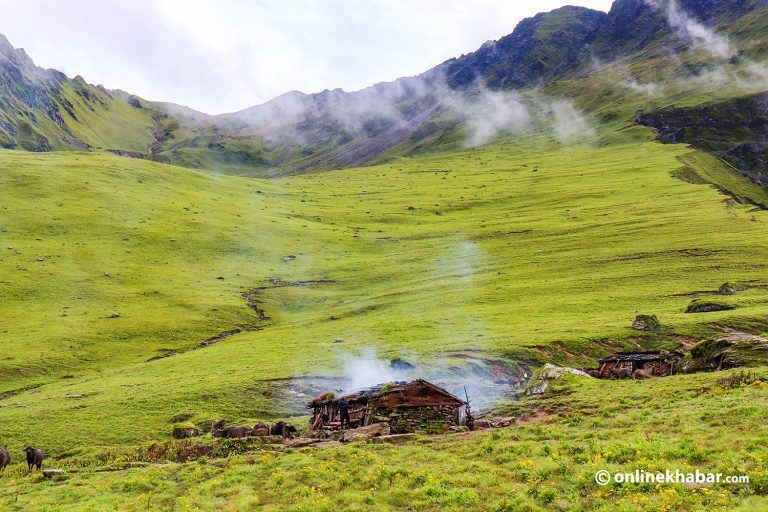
{"x":218,"y":427}
{"x":621,"y":373}
{"x":5,"y":459}
{"x":641,"y":374}
{"x":283,"y":429}
{"x":34,"y":457}
{"x":260,"y":430}
{"x":237,"y":432}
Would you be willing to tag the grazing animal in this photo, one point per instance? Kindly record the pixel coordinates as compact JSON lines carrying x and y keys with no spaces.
{"x":288,"y":431}
{"x":641,"y":374}
{"x":277,"y":428}
{"x":282,"y":429}
{"x":5,"y":459}
{"x":217,"y":427}
{"x":237,"y":432}
{"x":34,"y":457}
{"x":621,"y":373}
{"x":260,"y":430}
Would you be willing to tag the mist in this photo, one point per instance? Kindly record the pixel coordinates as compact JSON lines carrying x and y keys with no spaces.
{"x":701,"y":36}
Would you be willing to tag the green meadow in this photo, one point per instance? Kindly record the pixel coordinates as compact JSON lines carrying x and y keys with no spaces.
{"x":113,"y":271}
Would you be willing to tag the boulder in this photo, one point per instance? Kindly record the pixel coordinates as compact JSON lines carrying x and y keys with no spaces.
{"x":708,"y":307}
{"x":540,"y":381}
{"x":365,"y":433}
{"x":552,"y":372}
{"x":502,"y":421}
{"x":53,"y":473}
{"x":186,"y":431}
{"x":731,"y":288}
{"x":646,"y":323}
{"x":301,"y":442}
{"x":482,"y":424}
{"x":395,"y":438}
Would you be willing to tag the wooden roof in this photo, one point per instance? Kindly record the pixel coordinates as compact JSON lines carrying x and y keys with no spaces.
{"x":397,"y":394}
{"x":621,"y":357}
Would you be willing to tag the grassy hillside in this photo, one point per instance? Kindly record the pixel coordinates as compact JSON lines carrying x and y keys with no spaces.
{"x":460,"y":252}
{"x":546,"y":462}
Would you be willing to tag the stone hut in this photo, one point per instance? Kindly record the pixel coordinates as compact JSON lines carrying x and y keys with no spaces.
{"x":658,"y":363}
{"x":405,"y":406}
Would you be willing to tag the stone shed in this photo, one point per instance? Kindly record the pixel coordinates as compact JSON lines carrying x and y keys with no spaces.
{"x":405,"y":406}
{"x":657,"y":363}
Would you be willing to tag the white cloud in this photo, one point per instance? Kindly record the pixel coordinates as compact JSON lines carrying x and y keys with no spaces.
{"x":228,"y":55}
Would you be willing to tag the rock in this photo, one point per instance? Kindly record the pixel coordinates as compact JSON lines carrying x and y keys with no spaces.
{"x":365,"y":433}
{"x":185,"y":432}
{"x":289,"y":258}
{"x":537,"y":389}
{"x":502,"y":421}
{"x":552,"y":372}
{"x":400,"y":364}
{"x":482,"y":424}
{"x":708,"y":307}
{"x":51,"y":473}
{"x":395,"y":438}
{"x":74,"y":396}
{"x":456,"y":428}
{"x":300,"y":442}
{"x":646,"y":323}
{"x":338,"y":340}
{"x":731,"y":288}
{"x":540,"y":381}
{"x":114,"y":314}
{"x":328,"y":444}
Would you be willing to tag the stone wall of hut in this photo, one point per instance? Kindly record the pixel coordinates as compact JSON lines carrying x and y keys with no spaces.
{"x":657,"y":368}
{"x":429,"y":419}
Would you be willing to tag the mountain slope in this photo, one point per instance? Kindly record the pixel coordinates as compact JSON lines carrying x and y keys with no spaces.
{"x":296,"y":132}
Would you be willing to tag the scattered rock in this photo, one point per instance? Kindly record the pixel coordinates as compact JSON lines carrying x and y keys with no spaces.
{"x":365,"y":433}
{"x":395,"y":438}
{"x":400,"y":364}
{"x":74,"y":396}
{"x":731,"y":288}
{"x":502,"y":421}
{"x":186,"y":431}
{"x":708,"y":307}
{"x":301,"y":442}
{"x":182,"y":417}
{"x":646,"y":323}
{"x":540,"y":381}
{"x":114,"y":314}
{"x":53,"y":473}
{"x":482,"y":424}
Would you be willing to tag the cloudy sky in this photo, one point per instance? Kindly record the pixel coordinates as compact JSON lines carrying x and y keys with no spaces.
{"x":225,"y":55}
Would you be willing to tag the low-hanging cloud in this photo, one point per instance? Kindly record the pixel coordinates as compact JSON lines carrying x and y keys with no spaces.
{"x":701,"y":36}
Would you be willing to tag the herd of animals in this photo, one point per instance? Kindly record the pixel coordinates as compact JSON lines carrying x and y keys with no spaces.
{"x":219,"y":428}
{"x":35,"y":458}
{"x":620,"y":373}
